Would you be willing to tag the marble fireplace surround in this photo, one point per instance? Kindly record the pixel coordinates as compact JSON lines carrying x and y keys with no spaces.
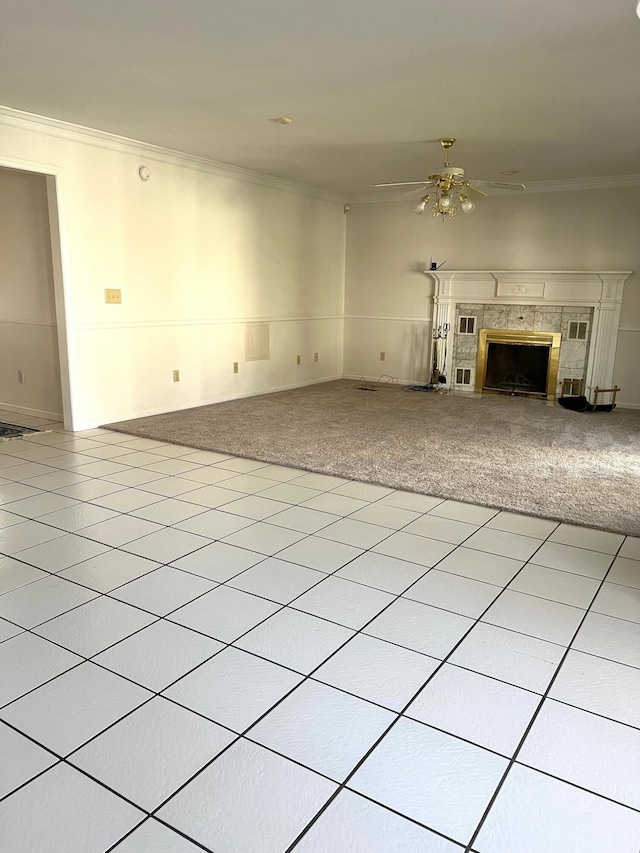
{"x":600,"y":291}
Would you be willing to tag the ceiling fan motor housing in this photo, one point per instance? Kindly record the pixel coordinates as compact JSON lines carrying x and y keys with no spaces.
{"x":454,"y":172}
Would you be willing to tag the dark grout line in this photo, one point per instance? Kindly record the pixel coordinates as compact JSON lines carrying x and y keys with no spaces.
{"x":308,"y":676}
{"x":158,"y":619}
{"x":243,"y":734}
{"x":35,"y":775}
{"x":635,"y":809}
{"x":400,"y":715}
{"x":174,"y":829}
{"x":533,"y":719}
{"x":404,"y":817}
{"x":279,"y":701}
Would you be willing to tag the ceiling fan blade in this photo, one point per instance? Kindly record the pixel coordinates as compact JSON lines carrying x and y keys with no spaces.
{"x":473,"y":193}
{"x":407,"y":184}
{"x":416,"y":192}
{"x":498,"y":185}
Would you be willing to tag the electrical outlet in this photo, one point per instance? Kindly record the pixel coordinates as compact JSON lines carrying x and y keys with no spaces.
{"x":113,"y":296}
{"x":235,"y":366}
{"x":21,"y":377}
{"x":383,"y":355}
{"x":297,"y":359}
{"x":315,"y":356}
{"x":176,"y":376}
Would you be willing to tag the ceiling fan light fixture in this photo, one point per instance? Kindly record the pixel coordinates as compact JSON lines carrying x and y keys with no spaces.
{"x":444,"y":207}
{"x":452,"y":189}
{"x":466,"y":204}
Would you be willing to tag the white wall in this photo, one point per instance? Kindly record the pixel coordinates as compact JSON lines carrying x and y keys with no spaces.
{"x":197,"y":252}
{"x":28,"y":335}
{"x":388,"y":298}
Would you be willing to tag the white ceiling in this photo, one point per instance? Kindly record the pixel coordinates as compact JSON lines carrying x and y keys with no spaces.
{"x":549,"y":87}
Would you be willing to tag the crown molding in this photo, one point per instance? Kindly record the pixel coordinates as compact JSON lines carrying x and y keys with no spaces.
{"x":577,"y":184}
{"x":112,"y":142}
{"x":570,"y":185}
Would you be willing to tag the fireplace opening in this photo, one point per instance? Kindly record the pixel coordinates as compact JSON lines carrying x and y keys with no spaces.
{"x":518,"y":362}
{"x":517,"y":368}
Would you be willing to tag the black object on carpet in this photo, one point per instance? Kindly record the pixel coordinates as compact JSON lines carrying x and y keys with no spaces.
{"x":581,"y":404}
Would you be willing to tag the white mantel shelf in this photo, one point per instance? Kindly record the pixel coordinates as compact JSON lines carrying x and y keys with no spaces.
{"x":598,"y":289}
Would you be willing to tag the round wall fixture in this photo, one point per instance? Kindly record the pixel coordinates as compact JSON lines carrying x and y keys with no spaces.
{"x":143,"y":173}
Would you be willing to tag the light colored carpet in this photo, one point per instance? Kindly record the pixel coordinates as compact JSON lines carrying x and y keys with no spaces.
{"x":513,"y":453}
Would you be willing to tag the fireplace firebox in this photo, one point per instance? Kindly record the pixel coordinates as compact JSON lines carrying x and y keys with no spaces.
{"x":518,"y":362}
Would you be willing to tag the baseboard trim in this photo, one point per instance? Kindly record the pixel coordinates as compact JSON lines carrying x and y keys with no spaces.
{"x":627,"y":405}
{"x":36,"y":413}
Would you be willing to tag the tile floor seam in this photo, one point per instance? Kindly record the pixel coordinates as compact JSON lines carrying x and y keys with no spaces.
{"x":399,"y":716}
{"x":306,"y":677}
{"x":619,"y":618}
{"x":533,"y":719}
{"x":579,"y":787}
{"x":155,"y":693}
{"x":179,"y":832}
{"x":74,"y":666}
{"x":399,"y":814}
{"x":230,"y":645}
{"x":124,"y":583}
{"x":544,"y":597}
{"x":310,"y":675}
{"x":35,"y":775}
{"x":494,"y":677}
{"x":609,"y":660}
{"x":163,"y":526}
{"x":30,"y":630}
{"x":95,"y":598}
{"x":64,"y":759}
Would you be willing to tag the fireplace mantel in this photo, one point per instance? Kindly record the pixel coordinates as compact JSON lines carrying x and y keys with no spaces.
{"x":600,"y":290}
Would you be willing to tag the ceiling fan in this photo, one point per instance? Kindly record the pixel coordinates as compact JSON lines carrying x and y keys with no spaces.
{"x":450,"y":186}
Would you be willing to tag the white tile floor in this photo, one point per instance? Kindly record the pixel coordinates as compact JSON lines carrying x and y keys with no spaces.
{"x":200,"y":652}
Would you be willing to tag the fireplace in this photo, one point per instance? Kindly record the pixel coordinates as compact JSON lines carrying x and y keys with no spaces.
{"x":518,"y":362}
{"x":529,"y":302}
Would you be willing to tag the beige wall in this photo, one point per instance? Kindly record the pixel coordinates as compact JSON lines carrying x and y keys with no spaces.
{"x":388,"y":304}
{"x":28,"y":335}
{"x":198,"y":252}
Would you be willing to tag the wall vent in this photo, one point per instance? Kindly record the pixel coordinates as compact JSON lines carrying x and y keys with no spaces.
{"x":572,"y":387}
{"x":257,"y":344}
{"x":578,"y":331}
{"x":463,"y":376}
{"x":466,"y":325}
